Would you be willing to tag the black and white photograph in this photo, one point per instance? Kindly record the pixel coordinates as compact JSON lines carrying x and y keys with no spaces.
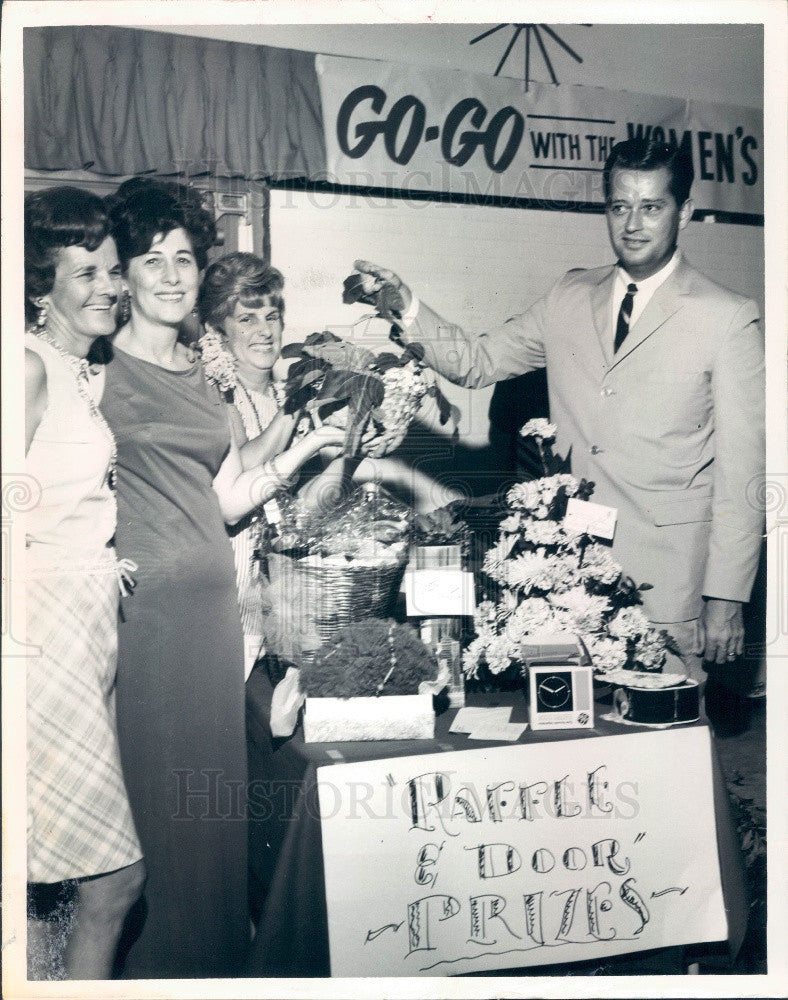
{"x":395,"y":557}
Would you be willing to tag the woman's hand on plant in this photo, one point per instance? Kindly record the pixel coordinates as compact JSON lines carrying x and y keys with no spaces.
{"x":327,"y":434}
{"x":376,"y":443}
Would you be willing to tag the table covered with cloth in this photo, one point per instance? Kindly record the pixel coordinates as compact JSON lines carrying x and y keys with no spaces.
{"x":286,"y":857}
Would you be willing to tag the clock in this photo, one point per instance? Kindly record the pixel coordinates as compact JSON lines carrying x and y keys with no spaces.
{"x":561,"y":694}
{"x":554,"y":692}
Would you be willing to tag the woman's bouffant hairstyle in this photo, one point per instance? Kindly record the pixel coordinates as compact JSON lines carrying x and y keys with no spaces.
{"x":143,"y":208}
{"x":238,"y":277}
{"x":55,"y":218}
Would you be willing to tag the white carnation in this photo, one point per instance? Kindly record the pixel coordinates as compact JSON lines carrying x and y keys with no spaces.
{"x":629,"y":623}
{"x":539,"y":428}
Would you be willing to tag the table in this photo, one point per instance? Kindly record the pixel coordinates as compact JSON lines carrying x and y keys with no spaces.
{"x":286,"y":856}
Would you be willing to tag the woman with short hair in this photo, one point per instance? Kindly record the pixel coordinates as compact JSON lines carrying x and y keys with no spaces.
{"x":80,"y":826}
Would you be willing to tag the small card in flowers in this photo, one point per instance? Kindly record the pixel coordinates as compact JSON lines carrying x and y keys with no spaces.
{"x":592,"y":518}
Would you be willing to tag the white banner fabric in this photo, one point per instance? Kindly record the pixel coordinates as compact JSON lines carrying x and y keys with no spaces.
{"x":412,"y":128}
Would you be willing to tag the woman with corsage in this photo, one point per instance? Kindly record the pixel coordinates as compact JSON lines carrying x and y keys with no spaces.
{"x":80,"y":828}
{"x":242,"y":307}
{"x":180,"y":672}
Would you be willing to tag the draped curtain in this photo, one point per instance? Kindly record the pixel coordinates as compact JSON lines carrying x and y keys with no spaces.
{"x":123,"y":101}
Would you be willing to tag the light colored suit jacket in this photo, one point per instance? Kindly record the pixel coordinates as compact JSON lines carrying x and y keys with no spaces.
{"x":671,"y":430}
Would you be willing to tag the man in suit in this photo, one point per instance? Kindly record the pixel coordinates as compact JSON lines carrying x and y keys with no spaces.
{"x":656,"y":384}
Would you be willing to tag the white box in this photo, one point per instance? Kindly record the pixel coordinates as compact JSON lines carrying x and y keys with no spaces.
{"x":389,"y":717}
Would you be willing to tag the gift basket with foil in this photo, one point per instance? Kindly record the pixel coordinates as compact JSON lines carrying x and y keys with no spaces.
{"x":336,"y":568}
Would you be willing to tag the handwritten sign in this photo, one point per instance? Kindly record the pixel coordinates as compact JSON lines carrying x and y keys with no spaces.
{"x":416,"y":128}
{"x":520,"y":856}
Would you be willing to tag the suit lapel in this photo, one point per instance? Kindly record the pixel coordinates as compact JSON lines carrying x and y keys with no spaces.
{"x":664,"y":303}
{"x":600,"y":309}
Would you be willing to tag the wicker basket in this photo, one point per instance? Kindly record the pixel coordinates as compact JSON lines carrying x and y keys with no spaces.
{"x":336,"y":596}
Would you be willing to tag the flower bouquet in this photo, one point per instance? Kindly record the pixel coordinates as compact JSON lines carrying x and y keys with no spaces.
{"x":544,"y":578}
{"x":374,"y":680}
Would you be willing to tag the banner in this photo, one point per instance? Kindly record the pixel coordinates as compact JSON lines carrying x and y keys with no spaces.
{"x":416,"y":128}
{"x":520,"y":856}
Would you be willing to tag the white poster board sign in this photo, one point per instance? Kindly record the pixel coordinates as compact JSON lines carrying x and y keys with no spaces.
{"x":520,"y":856}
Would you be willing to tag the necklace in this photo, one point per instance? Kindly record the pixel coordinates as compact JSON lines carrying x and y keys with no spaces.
{"x":80,"y":367}
{"x":249,"y":399}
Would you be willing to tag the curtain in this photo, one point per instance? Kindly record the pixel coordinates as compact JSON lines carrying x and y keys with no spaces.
{"x":124,"y":101}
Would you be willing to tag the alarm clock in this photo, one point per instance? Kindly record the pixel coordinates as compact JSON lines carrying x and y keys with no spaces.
{"x":561,"y":695}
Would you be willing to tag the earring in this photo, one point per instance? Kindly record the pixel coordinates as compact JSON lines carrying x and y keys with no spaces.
{"x":124,"y":308}
{"x":41,"y":319}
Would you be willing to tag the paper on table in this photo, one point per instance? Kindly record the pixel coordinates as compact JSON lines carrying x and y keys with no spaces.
{"x":504,"y":732}
{"x":472,"y":717}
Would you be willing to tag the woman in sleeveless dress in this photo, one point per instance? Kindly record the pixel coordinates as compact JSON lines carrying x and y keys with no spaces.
{"x":80,"y":828}
{"x":180,"y":699}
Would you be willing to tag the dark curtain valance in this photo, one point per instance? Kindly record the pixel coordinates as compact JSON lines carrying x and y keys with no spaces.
{"x":122,"y":101}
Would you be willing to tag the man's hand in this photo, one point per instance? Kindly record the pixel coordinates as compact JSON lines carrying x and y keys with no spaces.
{"x":719,"y":634}
{"x":374,"y":277}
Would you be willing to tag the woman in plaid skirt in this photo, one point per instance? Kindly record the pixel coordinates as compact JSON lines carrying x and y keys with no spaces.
{"x":80,"y":828}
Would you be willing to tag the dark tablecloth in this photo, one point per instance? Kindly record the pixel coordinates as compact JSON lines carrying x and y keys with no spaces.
{"x":286,"y":856}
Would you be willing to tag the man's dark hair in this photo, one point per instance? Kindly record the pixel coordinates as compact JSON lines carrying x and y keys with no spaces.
{"x":646,"y":154}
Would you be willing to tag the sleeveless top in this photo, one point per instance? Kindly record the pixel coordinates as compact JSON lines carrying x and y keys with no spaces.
{"x":69,"y":458}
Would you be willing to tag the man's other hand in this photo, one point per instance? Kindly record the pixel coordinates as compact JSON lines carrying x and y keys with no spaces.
{"x":719,"y":634}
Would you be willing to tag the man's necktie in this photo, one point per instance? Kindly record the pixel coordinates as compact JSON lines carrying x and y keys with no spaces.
{"x":624,"y":316}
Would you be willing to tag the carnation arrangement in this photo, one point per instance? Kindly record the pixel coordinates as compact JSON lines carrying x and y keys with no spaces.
{"x":546,"y":578}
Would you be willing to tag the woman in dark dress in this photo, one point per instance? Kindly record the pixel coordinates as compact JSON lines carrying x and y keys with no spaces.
{"x":180,"y":694}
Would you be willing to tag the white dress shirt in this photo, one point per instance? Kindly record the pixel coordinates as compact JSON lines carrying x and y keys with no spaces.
{"x":646,"y":288}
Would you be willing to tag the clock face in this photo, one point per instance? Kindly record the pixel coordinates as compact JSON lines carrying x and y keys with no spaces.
{"x":554,"y":692}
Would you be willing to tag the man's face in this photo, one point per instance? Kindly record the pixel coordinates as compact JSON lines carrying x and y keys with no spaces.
{"x":643,"y":219}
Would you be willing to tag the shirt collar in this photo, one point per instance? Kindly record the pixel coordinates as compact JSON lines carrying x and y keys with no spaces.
{"x":647,"y":286}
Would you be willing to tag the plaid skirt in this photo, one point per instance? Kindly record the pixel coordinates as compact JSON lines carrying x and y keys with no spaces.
{"x":78,"y":817}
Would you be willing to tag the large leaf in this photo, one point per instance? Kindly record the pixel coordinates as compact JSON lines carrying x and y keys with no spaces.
{"x":303,"y":382}
{"x":343,"y":384}
{"x":341,"y":354}
{"x":387,"y":360}
{"x":353,"y":290}
{"x":414,"y":351}
{"x":292,"y":351}
{"x":390,"y":304}
{"x":387,"y":300}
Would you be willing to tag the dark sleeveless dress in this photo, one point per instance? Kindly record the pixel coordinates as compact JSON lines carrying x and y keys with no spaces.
{"x":180,"y":687}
